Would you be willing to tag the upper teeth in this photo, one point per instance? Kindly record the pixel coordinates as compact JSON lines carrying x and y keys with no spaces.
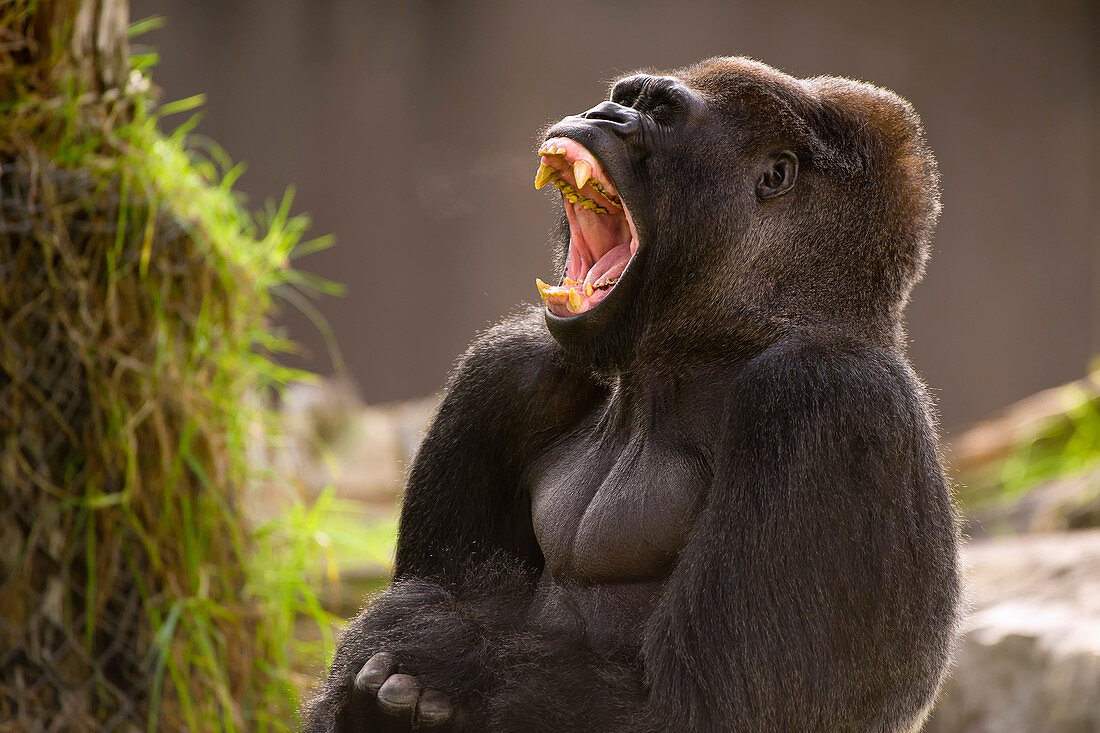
{"x":582,"y":171}
{"x":573,"y":197}
{"x":544,"y":175}
{"x":582,"y":174}
{"x":613,"y":200}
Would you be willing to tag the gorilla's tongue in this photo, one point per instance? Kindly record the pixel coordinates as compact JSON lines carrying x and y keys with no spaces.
{"x":610,"y":266}
{"x":574,"y":296}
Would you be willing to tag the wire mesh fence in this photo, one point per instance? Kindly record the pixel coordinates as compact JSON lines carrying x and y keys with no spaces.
{"x":73,"y":639}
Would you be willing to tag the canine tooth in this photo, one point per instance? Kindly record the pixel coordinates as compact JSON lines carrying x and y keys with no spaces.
{"x":544,"y":175}
{"x":575,"y":302}
{"x":582,"y":171}
{"x":544,"y":289}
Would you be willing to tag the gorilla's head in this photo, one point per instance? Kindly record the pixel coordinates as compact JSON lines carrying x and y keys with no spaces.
{"x":713,"y":207}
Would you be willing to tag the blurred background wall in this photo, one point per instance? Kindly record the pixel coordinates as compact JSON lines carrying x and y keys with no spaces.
{"x":409,"y":129}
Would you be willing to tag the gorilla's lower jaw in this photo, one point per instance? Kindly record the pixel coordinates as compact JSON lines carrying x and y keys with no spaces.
{"x":602,"y":237}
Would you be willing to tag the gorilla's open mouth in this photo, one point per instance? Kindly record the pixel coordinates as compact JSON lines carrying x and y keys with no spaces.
{"x":602,"y":237}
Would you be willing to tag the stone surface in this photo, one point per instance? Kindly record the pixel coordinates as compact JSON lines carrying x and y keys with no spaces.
{"x":1029,"y":657}
{"x":333,"y":439}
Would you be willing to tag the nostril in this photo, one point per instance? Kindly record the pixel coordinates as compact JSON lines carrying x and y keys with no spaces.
{"x":624,"y":118}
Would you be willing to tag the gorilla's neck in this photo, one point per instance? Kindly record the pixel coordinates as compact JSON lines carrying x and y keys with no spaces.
{"x":655,"y":394}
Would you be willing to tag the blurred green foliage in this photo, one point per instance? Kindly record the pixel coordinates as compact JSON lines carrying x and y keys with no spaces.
{"x":1066,"y":445}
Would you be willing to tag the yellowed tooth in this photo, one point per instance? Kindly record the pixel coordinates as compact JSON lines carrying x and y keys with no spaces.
{"x":614,"y":202}
{"x":600,"y":210}
{"x":544,"y":175}
{"x":588,"y":290}
{"x":575,"y":301}
{"x":582,"y":171}
{"x":572,"y":198}
{"x":544,"y":289}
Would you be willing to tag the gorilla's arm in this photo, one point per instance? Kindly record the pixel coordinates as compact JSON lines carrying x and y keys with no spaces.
{"x":466,"y":553}
{"x":812,"y":594}
{"x":464,"y":501}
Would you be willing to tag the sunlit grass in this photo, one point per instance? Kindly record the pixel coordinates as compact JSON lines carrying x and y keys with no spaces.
{"x":156,"y":287}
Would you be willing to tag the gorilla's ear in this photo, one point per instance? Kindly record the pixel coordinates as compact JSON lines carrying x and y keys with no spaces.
{"x":777,"y":176}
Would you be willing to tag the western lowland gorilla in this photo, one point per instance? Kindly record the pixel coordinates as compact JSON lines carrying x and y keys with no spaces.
{"x":698,"y":489}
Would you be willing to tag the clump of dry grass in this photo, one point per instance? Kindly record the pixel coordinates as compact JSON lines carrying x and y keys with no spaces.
{"x":135,"y":291}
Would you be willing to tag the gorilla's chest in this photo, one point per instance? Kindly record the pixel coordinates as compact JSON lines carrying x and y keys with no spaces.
{"x":611,"y":509}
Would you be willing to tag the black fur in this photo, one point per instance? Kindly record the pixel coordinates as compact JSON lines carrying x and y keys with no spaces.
{"x":713,"y":503}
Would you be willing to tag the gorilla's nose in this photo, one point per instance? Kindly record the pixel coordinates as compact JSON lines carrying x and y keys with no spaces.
{"x":624,"y":120}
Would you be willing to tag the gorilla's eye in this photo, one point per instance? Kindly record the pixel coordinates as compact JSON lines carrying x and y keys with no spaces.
{"x":660,"y":97}
{"x":661,"y":108}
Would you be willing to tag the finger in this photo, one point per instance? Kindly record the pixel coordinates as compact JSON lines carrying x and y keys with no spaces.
{"x":397,"y":700}
{"x":375,"y":672}
{"x":434,"y":710}
{"x":357,"y":709}
{"x":361,"y":710}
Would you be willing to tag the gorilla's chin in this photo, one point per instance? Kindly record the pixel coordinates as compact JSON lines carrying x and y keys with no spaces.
{"x":602,"y":236}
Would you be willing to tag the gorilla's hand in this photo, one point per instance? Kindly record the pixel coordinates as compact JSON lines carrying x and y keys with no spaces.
{"x":380,"y":699}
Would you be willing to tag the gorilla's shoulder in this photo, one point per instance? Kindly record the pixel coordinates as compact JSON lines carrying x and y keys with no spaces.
{"x":815,"y":353}
{"x":514,"y":357}
{"x":833,"y":375}
{"x":520,"y":336}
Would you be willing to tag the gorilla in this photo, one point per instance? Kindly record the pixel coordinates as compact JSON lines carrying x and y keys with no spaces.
{"x":698,"y":488}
